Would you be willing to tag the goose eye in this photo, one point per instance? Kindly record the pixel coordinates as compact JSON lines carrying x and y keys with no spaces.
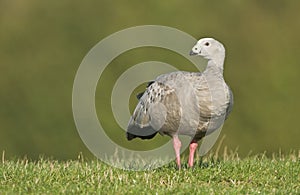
{"x":206,"y":44}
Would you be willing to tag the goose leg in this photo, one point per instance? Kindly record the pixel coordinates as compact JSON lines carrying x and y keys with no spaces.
{"x":177,"y":146}
{"x":193,"y":147}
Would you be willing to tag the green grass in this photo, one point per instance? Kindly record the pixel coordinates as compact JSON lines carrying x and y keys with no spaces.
{"x":212,"y":175}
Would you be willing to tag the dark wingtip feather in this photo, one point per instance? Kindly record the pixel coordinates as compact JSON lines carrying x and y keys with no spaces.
{"x":150,"y":83}
{"x":138,"y":96}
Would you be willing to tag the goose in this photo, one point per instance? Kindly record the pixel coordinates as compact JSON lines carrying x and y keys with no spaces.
{"x":185,"y":103}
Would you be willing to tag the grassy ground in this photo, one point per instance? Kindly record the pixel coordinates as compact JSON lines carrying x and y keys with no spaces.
{"x":211,"y":175}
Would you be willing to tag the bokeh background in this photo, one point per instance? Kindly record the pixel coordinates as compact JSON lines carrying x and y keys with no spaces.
{"x":42,"y":43}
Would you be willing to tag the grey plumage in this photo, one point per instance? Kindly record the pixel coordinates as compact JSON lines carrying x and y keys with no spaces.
{"x":185,"y":103}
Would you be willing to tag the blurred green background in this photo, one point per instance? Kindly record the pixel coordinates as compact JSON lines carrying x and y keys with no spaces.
{"x":42,"y":43}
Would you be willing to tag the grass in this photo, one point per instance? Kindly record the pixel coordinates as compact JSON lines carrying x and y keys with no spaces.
{"x":228,"y":174}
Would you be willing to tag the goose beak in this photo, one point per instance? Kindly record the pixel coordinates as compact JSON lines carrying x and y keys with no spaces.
{"x":192,"y":53}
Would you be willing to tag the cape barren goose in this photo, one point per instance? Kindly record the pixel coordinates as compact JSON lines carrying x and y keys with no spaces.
{"x":185,"y":103}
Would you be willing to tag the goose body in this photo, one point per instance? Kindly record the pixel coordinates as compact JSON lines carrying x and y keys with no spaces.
{"x":185,"y":103}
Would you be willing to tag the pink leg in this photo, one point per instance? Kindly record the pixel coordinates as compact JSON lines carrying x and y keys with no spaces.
{"x":193,"y":147}
{"x":177,"y":146}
